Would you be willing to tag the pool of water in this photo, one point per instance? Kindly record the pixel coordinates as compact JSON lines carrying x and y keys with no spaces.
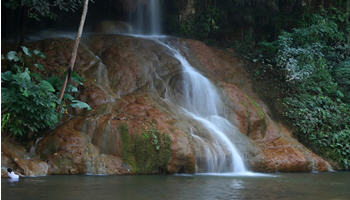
{"x":192,"y":187}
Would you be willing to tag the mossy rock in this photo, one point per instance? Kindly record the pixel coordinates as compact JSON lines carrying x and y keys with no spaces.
{"x":146,"y":153}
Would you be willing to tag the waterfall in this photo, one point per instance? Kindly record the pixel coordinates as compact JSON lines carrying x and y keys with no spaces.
{"x":202,"y":102}
{"x":154,"y":10}
{"x":148,"y":17}
{"x":139,"y":17}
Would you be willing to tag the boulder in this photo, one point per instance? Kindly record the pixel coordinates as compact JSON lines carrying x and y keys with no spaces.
{"x":68,"y":151}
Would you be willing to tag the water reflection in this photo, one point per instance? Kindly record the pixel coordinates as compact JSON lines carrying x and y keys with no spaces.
{"x":13,"y":180}
{"x":283,"y":186}
{"x":237,"y":184}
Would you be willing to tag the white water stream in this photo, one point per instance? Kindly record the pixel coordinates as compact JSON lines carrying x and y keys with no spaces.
{"x":148,"y":17}
{"x":202,"y":102}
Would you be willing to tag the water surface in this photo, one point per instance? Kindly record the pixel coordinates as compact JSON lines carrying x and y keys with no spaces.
{"x":200,"y":187}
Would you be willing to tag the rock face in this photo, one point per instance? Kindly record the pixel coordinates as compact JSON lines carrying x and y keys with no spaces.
{"x":15,"y":156}
{"x":278,"y":150}
{"x":112,"y":27}
{"x":133,"y":129}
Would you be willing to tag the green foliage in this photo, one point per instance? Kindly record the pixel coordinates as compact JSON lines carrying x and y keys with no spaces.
{"x":202,"y":24}
{"x":342,"y":76}
{"x":152,"y":152}
{"x":29,"y":102}
{"x":80,"y":104}
{"x":312,"y":62}
{"x":44,"y":8}
{"x":146,"y":153}
{"x":313,"y":113}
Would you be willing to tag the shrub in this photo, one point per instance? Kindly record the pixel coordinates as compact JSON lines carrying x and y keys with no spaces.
{"x":313,"y":64}
{"x":29,"y":102}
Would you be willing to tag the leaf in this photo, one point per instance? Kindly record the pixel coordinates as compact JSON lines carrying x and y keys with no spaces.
{"x":36,"y":76}
{"x":12,"y":56}
{"x":6,"y":76}
{"x":25,"y":93}
{"x":39,"y":53}
{"x":5,"y":118}
{"x":67,"y":96}
{"x":53,"y":105}
{"x":77,"y":78}
{"x":25,"y":75}
{"x":39,"y":66}
{"x":72,"y":88}
{"x":80,"y":105}
{"x":319,"y":89}
{"x":26,"y":51}
{"x":340,"y":94}
{"x":46,"y":86}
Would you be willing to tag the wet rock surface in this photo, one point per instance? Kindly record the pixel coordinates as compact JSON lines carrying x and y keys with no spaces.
{"x":16,"y":157}
{"x":278,"y":150}
{"x":133,"y":129}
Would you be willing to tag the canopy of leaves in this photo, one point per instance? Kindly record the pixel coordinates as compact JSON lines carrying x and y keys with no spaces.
{"x":44,"y":8}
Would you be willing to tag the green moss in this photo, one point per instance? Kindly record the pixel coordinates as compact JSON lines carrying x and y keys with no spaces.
{"x":127,"y":146}
{"x":257,"y":106}
{"x":260,"y":113}
{"x":147,"y":153}
{"x":248,"y":116}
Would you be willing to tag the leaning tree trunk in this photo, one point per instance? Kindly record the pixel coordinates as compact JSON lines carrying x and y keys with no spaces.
{"x":75,"y":50}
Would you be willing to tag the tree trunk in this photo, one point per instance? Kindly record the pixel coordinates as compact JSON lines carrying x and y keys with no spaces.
{"x":75,"y":50}
{"x":22,"y":25}
{"x":348,"y":19}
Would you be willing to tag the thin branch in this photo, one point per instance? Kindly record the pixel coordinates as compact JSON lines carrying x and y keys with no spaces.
{"x":75,"y":50}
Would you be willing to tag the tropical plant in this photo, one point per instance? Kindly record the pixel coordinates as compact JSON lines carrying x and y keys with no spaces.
{"x":29,"y":101}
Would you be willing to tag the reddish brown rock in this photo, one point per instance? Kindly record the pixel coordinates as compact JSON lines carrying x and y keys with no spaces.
{"x":83,"y":142}
{"x":279,"y":151}
{"x":68,"y":151}
{"x":123,"y":87}
{"x":14,"y":156}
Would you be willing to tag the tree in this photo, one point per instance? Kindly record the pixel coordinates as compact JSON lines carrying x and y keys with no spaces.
{"x":43,"y":8}
{"x":37,"y":9}
{"x":75,"y":49}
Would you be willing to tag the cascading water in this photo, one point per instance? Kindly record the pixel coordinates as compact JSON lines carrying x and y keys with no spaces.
{"x":155,"y":16}
{"x":139,"y":17}
{"x":200,"y":101}
{"x":148,"y":17}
